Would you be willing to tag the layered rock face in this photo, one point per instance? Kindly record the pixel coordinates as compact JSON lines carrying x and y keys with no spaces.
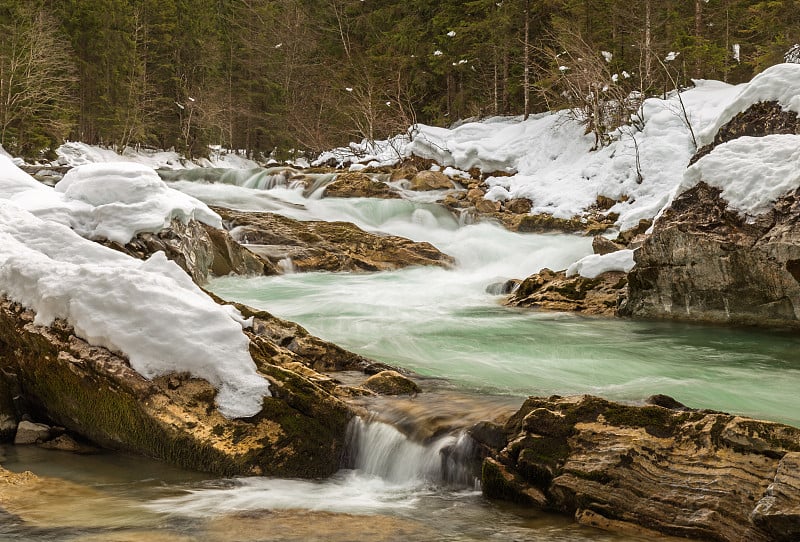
{"x":704,"y":262}
{"x":95,"y":394}
{"x":327,"y":246}
{"x":648,"y":469}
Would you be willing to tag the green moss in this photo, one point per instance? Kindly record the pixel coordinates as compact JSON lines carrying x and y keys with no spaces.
{"x":495,"y":485}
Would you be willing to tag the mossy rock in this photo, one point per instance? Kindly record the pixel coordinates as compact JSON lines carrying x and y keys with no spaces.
{"x":95,"y":394}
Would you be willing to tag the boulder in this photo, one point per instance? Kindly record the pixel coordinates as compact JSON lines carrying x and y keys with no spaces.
{"x":554,"y":291}
{"x":31,"y":433}
{"x":95,"y":394}
{"x":198,"y":249}
{"x":391,"y":383}
{"x":431,"y":180}
{"x":327,"y":246}
{"x":705,"y":262}
{"x":649,"y":469}
{"x":358,"y":185}
{"x":602,"y":245}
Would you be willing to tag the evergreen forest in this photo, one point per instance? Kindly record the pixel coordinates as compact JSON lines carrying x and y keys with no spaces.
{"x":261,"y":75}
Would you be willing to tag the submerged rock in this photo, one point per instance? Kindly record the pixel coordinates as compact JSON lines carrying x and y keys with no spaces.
{"x":430,"y":180}
{"x":94,"y":393}
{"x":327,"y":246}
{"x":650,"y":469}
{"x":554,"y":291}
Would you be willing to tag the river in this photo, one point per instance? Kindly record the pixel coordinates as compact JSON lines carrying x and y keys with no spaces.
{"x":477,"y":356}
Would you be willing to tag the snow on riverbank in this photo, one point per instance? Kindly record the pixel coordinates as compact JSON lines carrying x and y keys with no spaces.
{"x":149,"y":311}
{"x":104,"y":200}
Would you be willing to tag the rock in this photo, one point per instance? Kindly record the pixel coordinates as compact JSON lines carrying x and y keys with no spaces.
{"x":605,"y":203}
{"x":760,"y":119}
{"x":485,"y":206}
{"x":31,"y":433}
{"x":648,"y":469}
{"x":602,"y":245}
{"x":94,"y":394}
{"x":634,"y":237}
{"x":778,"y":512}
{"x":405,"y":171}
{"x":503,"y":288}
{"x":518,"y":206}
{"x":328,"y":246}
{"x":358,"y":185}
{"x":65,"y":443}
{"x":431,"y":180}
{"x":704,"y":262}
{"x":554,"y":291}
{"x":391,"y":383}
{"x":198,"y":249}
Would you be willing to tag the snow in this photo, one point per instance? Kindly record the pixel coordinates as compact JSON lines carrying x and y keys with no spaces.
{"x":113,"y":201}
{"x":149,"y":311}
{"x":779,"y":83}
{"x":595,"y":265}
{"x":553,"y":165}
{"x":74,"y":153}
{"x":116,"y":201}
{"x":752,"y":172}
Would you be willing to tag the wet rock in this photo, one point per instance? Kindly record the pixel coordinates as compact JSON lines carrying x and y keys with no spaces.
{"x":486,"y":206}
{"x":503,"y":288}
{"x":704,"y":262}
{"x":554,"y":291}
{"x":650,"y":469}
{"x":405,"y":171}
{"x":431,"y":180}
{"x":358,"y":185}
{"x":602,"y":245}
{"x":94,"y":394}
{"x":31,"y":433}
{"x":391,"y":383}
{"x":198,"y":249}
{"x":327,"y":246}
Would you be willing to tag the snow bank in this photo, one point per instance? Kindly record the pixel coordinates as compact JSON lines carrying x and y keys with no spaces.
{"x":117,"y":201}
{"x":595,"y":265}
{"x":105,"y":201}
{"x":75,"y":154}
{"x":150,"y":311}
{"x":752,"y":172}
{"x":779,"y":83}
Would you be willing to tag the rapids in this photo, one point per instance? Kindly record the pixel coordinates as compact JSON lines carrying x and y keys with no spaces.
{"x":482,"y":358}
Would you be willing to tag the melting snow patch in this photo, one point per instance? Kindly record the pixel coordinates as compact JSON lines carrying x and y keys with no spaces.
{"x":595,"y":265}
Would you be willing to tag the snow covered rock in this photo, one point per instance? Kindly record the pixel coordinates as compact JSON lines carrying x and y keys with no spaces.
{"x":93,"y":392}
{"x":647,"y":469}
{"x":727,"y":249}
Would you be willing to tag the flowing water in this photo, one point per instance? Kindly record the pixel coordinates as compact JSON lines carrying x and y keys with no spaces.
{"x":482,"y":359}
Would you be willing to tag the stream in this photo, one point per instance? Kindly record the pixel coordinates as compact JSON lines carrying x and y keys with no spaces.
{"x":474,"y":356}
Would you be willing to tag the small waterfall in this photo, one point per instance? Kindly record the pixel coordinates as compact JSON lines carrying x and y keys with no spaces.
{"x":378,"y":449}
